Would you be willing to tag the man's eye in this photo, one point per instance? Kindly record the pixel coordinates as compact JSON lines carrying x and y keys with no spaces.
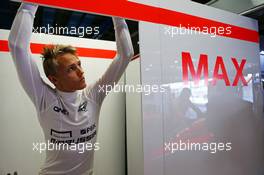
{"x":71,"y":69}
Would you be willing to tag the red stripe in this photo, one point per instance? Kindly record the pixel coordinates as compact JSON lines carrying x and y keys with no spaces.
{"x":158,"y":15}
{"x":4,"y":46}
{"x":83,"y":52}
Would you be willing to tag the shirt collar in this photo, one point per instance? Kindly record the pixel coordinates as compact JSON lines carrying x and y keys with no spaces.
{"x":68,"y":95}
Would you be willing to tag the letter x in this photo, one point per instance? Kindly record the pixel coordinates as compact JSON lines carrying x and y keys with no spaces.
{"x":239,"y":69}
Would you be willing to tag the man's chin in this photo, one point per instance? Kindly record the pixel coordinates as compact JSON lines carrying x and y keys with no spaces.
{"x":80,"y":86}
{"x":83,"y":86}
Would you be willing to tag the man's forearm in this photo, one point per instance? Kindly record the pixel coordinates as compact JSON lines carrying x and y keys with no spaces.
{"x":19,"y":45}
{"x":21,"y":29}
{"x":117,"y":67}
{"x":123,"y":40}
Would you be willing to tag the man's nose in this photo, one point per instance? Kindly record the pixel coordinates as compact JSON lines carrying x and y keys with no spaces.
{"x":80,"y":71}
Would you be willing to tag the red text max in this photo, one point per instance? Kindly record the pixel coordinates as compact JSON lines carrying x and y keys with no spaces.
{"x":219,"y":71}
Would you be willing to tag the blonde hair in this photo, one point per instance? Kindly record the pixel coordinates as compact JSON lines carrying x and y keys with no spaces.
{"x":50,"y":54}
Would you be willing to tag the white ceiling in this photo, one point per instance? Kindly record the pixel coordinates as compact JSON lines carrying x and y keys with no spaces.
{"x":236,"y":6}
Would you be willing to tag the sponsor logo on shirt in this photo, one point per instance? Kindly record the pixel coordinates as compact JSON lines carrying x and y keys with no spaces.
{"x":61,"y":134}
{"x":86,"y":135}
{"x":82,"y":107}
{"x":58,"y":109}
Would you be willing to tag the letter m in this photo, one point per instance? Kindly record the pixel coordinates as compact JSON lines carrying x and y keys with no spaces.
{"x":187,"y":64}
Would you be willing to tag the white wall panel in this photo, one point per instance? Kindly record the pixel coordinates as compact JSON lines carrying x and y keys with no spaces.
{"x":134,"y":137}
{"x":202,"y":114}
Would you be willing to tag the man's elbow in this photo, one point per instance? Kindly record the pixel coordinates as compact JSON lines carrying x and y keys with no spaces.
{"x":13,"y":45}
{"x":130,"y":53}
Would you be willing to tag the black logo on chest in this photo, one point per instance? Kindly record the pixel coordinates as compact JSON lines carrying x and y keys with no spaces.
{"x":58,"y":109}
{"x":82,"y":107}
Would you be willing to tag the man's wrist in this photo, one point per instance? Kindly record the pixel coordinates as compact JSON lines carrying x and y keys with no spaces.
{"x":119,"y":22}
{"x":32,"y":8}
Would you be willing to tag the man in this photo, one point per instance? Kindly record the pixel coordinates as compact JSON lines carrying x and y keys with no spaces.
{"x":69,"y":113}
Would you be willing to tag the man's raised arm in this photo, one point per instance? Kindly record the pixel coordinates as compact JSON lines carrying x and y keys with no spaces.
{"x":19,"y":45}
{"x":124,"y":54}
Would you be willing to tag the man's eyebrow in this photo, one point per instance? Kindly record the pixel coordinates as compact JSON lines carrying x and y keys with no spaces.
{"x":74,"y":63}
{"x":71,"y":65}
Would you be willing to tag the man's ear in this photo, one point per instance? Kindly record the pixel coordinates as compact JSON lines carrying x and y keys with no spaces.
{"x":53,"y":79}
